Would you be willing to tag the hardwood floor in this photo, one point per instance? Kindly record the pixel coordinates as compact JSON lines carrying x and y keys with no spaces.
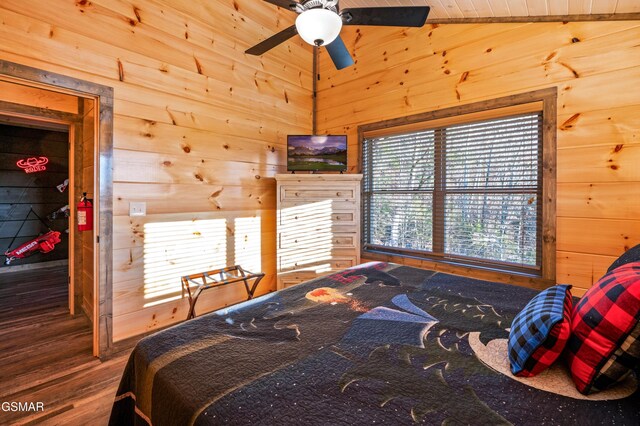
{"x":45,"y":354}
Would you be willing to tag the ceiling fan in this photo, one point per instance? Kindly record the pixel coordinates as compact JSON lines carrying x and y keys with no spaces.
{"x":319,"y":23}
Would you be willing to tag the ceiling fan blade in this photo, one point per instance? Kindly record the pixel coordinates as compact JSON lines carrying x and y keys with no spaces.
{"x":285,"y":4}
{"x":339,"y":54}
{"x":272,"y":41}
{"x":407,"y":16}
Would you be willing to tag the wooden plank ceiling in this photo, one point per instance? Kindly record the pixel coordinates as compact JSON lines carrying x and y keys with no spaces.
{"x":443,"y":10}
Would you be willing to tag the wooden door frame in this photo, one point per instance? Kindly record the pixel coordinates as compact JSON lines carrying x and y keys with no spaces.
{"x":103,"y":171}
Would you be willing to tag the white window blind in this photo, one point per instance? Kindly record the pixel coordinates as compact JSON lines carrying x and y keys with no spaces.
{"x":468,"y":192}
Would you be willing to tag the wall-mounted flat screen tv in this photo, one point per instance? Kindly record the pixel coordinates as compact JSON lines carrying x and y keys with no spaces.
{"x":316,"y":153}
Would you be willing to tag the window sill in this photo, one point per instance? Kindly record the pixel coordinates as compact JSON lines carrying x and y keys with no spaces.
{"x":457,"y":268}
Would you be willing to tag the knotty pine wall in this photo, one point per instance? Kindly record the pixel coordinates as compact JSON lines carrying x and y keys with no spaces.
{"x":594,"y":65}
{"x":199,"y":131}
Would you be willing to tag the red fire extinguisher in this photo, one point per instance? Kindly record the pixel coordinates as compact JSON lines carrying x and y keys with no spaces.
{"x":85,"y":214}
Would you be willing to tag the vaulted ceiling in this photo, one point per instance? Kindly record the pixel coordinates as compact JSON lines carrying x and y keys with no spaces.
{"x":443,"y":10}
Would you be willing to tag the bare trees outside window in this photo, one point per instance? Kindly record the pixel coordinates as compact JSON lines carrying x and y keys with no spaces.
{"x":468,"y":192}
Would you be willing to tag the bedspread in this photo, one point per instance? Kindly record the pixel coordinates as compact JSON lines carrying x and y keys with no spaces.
{"x":375,"y":344}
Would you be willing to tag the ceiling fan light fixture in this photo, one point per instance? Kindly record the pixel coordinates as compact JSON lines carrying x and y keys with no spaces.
{"x":318,"y":27}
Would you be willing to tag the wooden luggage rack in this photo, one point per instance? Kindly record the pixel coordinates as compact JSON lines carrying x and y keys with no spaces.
{"x":217,"y":278}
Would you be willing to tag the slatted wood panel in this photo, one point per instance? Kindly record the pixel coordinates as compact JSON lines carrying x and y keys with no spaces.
{"x":199,"y":126}
{"x":457,"y":9}
{"x":593,"y":65}
{"x":20,"y":191}
{"x":45,"y":354}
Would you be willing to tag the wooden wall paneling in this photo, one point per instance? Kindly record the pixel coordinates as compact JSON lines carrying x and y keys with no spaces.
{"x":202,"y":117}
{"x":367,"y":45}
{"x":580,"y":6}
{"x":127,"y":32}
{"x":627,"y":6}
{"x":111,"y":68}
{"x":184,"y":92}
{"x":142,"y":321}
{"x":586,"y":128}
{"x":574,"y":93}
{"x":142,"y":135}
{"x":163,"y":102}
{"x":537,"y":7}
{"x":604,"y":7}
{"x":130,"y":297}
{"x":461,"y":46}
{"x":558,"y":8}
{"x":151,"y":167}
{"x":484,"y":58}
{"x":501,"y":11}
{"x":518,"y":8}
{"x":167,"y":198}
{"x":613,"y":200}
{"x":581,"y":270}
{"x":451,"y":8}
{"x":244,"y":15}
{"x":609,"y":237}
{"x":592,"y":65}
{"x":129,"y":231}
{"x":38,"y":98}
{"x":614,"y":163}
{"x":21,"y":210}
{"x":162,"y":76}
{"x":471,"y":8}
{"x":13,"y":134}
{"x":499,"y":7}
{"x":135,"y":239}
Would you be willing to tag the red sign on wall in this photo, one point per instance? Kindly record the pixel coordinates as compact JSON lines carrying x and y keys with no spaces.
{"x":33,"y":164}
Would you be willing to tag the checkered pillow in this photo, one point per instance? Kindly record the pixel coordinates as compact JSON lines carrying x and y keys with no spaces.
{"x":605,"y":333}
{"x":540,"y":331}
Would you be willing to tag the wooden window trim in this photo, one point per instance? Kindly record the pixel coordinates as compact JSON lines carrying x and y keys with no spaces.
{"x":544,"y":100}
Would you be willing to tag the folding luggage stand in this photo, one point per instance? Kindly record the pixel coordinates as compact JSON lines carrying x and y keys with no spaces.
{"x":228,"y":275}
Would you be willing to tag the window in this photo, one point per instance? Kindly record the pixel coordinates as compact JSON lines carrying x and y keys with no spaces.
{"x":457,"y":190}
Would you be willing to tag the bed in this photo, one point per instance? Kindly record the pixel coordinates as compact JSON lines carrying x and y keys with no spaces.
{"x":375,"y":344}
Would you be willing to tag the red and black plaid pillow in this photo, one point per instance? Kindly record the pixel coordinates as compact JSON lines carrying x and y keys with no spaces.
{"x":605,"y":331}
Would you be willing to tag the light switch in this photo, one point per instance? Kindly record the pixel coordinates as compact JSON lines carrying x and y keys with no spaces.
{"x":138,"y":209}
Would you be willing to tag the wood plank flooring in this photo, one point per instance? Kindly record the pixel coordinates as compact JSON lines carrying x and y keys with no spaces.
{"x":45,"y":354}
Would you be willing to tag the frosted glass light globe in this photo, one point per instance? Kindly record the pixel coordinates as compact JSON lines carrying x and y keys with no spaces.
{"x":318,"y":27}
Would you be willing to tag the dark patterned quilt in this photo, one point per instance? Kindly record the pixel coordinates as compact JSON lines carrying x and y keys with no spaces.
{"x":376,"y":344}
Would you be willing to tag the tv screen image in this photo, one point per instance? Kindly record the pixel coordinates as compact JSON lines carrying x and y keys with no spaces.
{"x":316,"y":153}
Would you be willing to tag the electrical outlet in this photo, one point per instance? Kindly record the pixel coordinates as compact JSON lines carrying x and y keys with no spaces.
{"x":138,"y":209}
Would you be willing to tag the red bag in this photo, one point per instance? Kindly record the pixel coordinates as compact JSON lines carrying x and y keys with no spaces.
{"x":43,"y":243}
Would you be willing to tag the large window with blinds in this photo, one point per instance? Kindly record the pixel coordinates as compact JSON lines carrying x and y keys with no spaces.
{"x":468,"y":192}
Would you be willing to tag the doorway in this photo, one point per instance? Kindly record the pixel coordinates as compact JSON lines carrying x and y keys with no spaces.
{"x":46,"y":102}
